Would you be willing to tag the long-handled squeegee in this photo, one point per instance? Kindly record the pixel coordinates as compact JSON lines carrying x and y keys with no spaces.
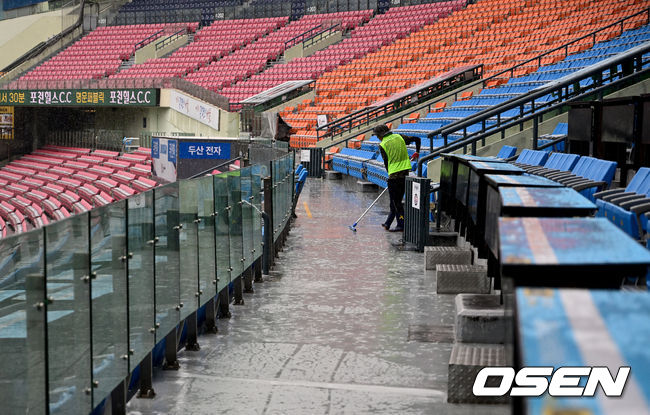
{"x":354,"y":227}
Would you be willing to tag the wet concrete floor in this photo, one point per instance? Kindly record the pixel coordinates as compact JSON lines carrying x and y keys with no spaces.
{"x":347,"y":323}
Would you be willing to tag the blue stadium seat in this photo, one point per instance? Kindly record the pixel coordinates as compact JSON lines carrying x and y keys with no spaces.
{"x":531,"y":157}
{"x":588,"y":176}
{"x":507,"y":152}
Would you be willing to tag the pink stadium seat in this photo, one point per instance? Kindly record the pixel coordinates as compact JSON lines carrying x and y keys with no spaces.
{"x":123,"y":177}
{"x":106,"y":184}
{"x":123,"y":191}
{"x":141,"y":169}
{"x":76,"y":165}
{"x":101,"y":171}
{"x":143,"y":184}
{"x":106,"y":154}
{"x":53,"y":190}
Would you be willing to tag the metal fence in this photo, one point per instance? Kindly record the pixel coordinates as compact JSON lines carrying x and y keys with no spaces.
{"x":84,"y":301}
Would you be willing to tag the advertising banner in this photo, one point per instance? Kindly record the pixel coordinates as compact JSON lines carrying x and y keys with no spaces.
{"x":6,"y":123}
{"x":81,"y":97}
{"x":197,"y":110}
{"x":164,"y":155}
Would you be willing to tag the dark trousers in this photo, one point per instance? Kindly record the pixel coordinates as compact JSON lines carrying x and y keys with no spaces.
{"x":396,"y":189}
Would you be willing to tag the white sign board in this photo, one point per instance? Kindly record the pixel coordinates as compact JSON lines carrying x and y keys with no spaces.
{"x":197,"y":110}
{"x":304,"y":155}
{"x":321,"y":120}
{"x":415,"y":195}
{"x":163,"y":155}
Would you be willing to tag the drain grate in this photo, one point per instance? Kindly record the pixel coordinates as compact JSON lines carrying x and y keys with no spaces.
{"x":431,"y":334}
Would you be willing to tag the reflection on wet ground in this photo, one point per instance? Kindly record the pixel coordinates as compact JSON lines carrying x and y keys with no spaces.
{"x":346,"y":323}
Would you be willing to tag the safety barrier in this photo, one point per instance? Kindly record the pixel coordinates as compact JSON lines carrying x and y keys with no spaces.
{"x":90,"y":303}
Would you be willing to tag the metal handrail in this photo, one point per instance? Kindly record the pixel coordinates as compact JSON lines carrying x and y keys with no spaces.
{"x":169,"y":39}
{"x":463,"y":123}
{"x":512,"y":69}
{"x":44,"y":45}
{"x":148,"y":40}
{"x":313,"y":39}
{"x":304,"y":35}
{"x":453,"y":79}
{"x":472,"y":140}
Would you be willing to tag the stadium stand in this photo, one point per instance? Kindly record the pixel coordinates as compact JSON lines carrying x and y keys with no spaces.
{"x":98,"y":54}
{"x":54,"y":182}
{"x":210,"y":43}
{"x":518,"y":86}
{"x":363,"y":40}
{"x":467,"y":36}
{"x":252,"y":59}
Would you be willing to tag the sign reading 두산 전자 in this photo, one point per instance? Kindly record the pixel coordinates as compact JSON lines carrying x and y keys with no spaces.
{"x":203,"y":150}
{"x":80,"y":97}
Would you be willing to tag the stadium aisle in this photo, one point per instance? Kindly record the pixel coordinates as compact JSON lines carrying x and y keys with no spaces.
{"x":346,"y":323}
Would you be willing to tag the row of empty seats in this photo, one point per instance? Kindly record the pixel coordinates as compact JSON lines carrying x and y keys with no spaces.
{"x":100,"y":53}
{"x":379,"y":31}
{"x":518,"y":86}
{"x":55,"y":182}
{"x":468,"y":36}
{"x":254,"y":58}
{"x":210,"y":43}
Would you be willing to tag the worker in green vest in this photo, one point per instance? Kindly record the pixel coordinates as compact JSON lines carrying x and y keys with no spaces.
{"x":398,"y":165}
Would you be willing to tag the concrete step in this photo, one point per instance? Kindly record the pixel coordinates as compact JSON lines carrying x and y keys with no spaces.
{"x":434,"y":255}
{"x":457,"y":279}
{"x":480,"y":318}
{"x":442,"y":238}
{"x":333,"y":175}
{"x":464,"y":364}
{"x":364,"y":186}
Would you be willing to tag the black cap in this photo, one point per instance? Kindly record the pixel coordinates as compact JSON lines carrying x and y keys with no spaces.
{"x":380,"y":130}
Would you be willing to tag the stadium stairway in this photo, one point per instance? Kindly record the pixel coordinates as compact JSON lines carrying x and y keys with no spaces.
{"x":345,"y":323}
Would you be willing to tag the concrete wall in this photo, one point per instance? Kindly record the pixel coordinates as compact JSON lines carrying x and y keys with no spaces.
{"x":164,"y":119}
{"x":22,"y":34}
{"x":297,"y":51}
{"x":150,"y":52}
{"x":638,"y":89}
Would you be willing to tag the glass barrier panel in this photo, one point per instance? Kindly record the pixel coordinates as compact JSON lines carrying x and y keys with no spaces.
{"x":142,"y":317}
{"x":188,"y":239}
{"x":276,"y":200}
{"x":108,"y":294}
{"x":236,"y":237}
{"x":166,"y":251}
{"x":292,"y":182}
{"x":221,"y":196}
{"x":68,"y":315}
{"x":256,"y":182}
{"x":22,"y":324}
{"x":206,"y":239}
{"x":247,"y":216}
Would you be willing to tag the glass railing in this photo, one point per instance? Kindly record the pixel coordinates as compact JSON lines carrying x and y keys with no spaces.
{"x":84,"y":300}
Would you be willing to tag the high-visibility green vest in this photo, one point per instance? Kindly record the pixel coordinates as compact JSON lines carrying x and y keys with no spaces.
{"x":395,"y":149}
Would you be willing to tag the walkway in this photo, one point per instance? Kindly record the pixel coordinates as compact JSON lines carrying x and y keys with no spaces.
{"x":346,"y":323}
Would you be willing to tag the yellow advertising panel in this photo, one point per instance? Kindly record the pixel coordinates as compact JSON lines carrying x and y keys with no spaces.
{"x":6,"y":123}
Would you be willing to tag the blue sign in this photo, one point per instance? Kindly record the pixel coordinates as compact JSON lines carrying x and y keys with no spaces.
{"x":204,"y":150}
{"x":155,"y":148}
{"x":171,"y":151}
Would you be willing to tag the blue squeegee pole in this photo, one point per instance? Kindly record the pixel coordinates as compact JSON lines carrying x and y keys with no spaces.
{"x":369,"y":207}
